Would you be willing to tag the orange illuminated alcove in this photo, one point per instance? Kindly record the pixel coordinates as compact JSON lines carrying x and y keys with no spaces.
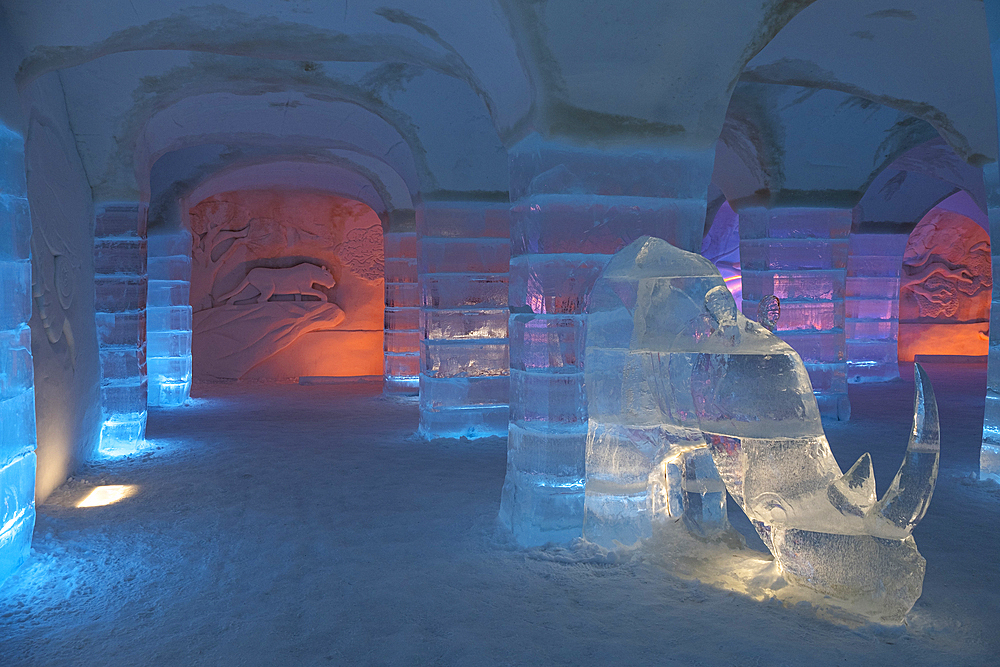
{"x":285,"y":284}
{"x":945,"y":287}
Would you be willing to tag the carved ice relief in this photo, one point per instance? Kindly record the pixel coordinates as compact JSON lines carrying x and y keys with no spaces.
{"x":297,"y":280}
{"x":361,"y":251}
{"x":55,"y":275}
{"x":946,"y":270}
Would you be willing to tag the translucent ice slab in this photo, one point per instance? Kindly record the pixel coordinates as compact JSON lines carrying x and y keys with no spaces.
{"x":678,"y":379}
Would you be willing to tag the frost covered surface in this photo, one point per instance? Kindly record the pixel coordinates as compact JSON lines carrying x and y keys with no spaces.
{"x":279,"y":524}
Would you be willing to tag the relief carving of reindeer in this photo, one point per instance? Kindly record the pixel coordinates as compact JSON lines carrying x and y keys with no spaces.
{"x":674,"y":373}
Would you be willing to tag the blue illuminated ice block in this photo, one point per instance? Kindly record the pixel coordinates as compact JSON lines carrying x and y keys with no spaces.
{"x":464,"y":257}
{"x":168,"y":319}
{"x":17,"y":394}
{"x":402,"y":313}
{"x":120,"y":304}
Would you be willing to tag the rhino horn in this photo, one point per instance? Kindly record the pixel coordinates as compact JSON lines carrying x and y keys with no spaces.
{"x":906,"y":501}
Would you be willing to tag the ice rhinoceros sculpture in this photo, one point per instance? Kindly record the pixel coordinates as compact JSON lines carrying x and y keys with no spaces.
{"x":688,"y":398}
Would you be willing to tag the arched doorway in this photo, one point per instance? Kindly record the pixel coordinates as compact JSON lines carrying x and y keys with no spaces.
{"x":944,"y":294}
{"x":284,"y":285}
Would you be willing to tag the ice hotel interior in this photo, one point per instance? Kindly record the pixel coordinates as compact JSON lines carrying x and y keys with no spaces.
{"x":499,"y":332}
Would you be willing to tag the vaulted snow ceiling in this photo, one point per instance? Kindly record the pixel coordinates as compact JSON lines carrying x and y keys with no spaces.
{"x":392,"y":101}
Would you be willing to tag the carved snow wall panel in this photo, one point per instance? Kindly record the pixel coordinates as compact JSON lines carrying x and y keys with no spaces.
{"x":284,"y":285}
{"x":17,"y":393}
{"x":945,"y":288}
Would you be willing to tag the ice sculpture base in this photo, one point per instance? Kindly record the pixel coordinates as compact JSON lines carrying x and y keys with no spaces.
{"x":726,"y":563}
{"x":844,"y":567}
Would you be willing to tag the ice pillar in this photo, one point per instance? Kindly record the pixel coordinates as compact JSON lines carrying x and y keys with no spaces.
{"x":464,"y":256}
{"x":572,"y":208}
{"x":168,"y":319}
{"x":17,"y":392}
{"x":120,"y":282}
{"x":872,"y":306}
{"x":800,"y":256}
{"x":402,"y":305}
{"x":989,"y":457}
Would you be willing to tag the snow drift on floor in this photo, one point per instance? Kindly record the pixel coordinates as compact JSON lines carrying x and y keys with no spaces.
{"x":302,"y":525}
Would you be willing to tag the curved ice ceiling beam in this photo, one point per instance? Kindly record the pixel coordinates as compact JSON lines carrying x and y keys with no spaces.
{"x":298,"y":175}
{"x":274,"y":119}
{"x":335,"y":171}
{"x":930,"y":59}
{"x":785,"y":145}
{"x":474,"y":45}
{"x":915,"y":183}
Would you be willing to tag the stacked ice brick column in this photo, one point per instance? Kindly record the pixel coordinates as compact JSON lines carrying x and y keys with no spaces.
{"x":872,"y":306}
{"x":17,"y":393}
{"x":989,"y":456}
{"x":120,"y":282}
{"x":464,"y":256}
{"x":168,"y":319}
{"x":402,"y":305}
{"x":800,"y":256}
{"x":572,"y":208}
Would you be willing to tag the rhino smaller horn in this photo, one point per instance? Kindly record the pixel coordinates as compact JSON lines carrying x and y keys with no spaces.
{"x":854,"y":493}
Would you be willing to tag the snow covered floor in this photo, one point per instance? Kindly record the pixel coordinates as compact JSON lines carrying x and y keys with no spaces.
{"x":288,"y":525}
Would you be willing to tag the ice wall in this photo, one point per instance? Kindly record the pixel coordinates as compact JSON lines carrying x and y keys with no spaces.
{"x":872,"y":306}
{"x":464,"y":257}
{"x":120,"y":301}
{"x":168,"y":319}
{"x":402,"y":306}
{"x":572,"y":208}
{"x":800,"y":256}
{"x":17,"y":393}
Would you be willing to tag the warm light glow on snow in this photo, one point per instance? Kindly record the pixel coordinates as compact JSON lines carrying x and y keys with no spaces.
{"x":107,"y":495}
